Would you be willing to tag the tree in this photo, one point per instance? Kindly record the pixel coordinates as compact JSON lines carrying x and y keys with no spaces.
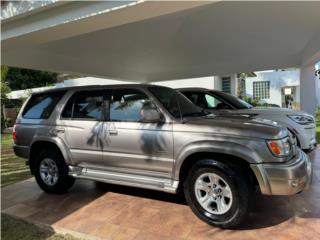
{"x":19,"y":78}
{"x":4,"y":87}
{"x":4,"y":90}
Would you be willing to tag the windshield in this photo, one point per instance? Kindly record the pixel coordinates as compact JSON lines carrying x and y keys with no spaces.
{"x":176,"y":103}
{"x":234,"y":101}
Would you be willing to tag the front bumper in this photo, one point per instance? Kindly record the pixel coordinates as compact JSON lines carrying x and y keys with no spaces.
{"x":284,"y":178}
{"x":307,"y":137}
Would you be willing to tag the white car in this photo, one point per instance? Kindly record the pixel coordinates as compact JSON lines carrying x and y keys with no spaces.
{"x":300,"y":124}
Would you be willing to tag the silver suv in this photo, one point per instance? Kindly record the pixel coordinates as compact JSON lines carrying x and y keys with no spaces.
{"x":153,"y":137}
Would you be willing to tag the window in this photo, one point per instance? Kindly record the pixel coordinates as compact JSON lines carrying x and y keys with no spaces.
{"x":212,"y":102}
{"x":126,"y":105}
{"x":85,"y":105}
{"x":261,"y":90}
{"x":226,"y":85}
{"x":175,"y":102}
{"x":40,"y":106}
{"x":202,"y":100}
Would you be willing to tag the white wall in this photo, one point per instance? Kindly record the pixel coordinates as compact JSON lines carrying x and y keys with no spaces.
{"x":89,"y":81}
{"x":203,"y":82}
{"x":234,"y":84}
{"x":278,"y":79}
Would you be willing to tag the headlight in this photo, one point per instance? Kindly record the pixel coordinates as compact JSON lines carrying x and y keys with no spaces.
{"x":280,"y":148}
{"x":302,"y":119}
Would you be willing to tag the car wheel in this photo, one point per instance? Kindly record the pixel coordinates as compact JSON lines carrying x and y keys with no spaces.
{"x":217,"y":194}
{"x":51,"y":172}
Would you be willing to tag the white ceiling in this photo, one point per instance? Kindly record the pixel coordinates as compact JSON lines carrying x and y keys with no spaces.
{"x":213,"y":39}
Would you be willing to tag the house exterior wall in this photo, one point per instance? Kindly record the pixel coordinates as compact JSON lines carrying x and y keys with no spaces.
{"x":278,"y":80}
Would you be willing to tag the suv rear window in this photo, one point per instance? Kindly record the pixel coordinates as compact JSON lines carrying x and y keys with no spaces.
{"x":40,"y":106}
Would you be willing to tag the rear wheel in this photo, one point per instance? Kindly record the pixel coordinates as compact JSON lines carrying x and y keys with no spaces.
{"x":217,"y":194}
{"x":51,"y":172}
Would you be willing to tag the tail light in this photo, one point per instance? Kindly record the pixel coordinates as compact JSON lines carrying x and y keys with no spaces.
{"x":14,"y":133}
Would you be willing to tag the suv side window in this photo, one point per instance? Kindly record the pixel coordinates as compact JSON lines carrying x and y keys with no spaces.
{"x":40,"y":106}
{"x":84,"y":105}
{"x":126,"y":104}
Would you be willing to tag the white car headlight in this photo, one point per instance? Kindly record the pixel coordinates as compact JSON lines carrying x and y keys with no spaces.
{"x":280,"y":148}
{"x":302,"y":119}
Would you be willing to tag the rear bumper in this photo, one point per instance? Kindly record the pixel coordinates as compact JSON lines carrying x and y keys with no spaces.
{"x":284,"y":178}
{"x":21,"y":151}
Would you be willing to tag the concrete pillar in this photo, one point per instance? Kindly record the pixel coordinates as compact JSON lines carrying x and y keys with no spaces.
{"x":308,"y":89}
{"x":217,"y":83}
{"x":234,"y":85}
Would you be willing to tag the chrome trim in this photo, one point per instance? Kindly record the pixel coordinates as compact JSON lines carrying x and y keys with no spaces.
{"x":127,"y":179}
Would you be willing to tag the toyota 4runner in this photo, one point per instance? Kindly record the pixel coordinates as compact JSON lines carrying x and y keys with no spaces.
{"x":153,"y":137}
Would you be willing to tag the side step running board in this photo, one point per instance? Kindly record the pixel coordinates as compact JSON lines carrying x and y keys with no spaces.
{"x":127,"y":179}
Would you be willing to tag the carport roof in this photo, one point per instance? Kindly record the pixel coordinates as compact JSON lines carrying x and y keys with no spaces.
{"x":153,"y":41}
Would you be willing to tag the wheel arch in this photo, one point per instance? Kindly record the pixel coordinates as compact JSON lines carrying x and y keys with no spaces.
{"x":236,"y":150}
{"x":232,"y":161}
{"x":45,"y":143}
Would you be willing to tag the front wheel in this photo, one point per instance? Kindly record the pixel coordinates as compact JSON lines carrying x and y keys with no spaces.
{"x":217,"y":194}
{"x":51,"y":172}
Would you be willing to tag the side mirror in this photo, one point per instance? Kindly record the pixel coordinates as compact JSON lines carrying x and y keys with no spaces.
{"x":150,"y":114}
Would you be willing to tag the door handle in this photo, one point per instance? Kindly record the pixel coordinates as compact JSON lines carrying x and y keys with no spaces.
{"x":113,"y":131}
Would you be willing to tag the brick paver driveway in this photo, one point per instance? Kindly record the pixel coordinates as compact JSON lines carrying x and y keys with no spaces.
{"x":114,"y":212}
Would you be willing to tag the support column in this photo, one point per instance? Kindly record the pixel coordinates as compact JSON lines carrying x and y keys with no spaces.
{"x":308,"y":89}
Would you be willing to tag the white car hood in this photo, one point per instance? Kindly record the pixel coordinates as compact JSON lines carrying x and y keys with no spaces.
{"x":270,"y":111}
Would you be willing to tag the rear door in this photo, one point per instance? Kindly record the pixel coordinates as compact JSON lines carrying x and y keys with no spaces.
{"x":82,"y":118}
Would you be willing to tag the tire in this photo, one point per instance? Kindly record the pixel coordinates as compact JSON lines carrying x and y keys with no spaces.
{"x":62,"y":181}
{"x":227,"y":201}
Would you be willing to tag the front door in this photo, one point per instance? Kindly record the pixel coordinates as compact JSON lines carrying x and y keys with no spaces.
{"x":131,"y":145}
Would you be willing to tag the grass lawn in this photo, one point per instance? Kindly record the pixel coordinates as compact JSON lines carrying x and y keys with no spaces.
{"x":13,"y":169}
{"x":14,"y":229}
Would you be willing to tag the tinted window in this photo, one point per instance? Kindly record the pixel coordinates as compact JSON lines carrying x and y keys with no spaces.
{"x":40,"y":106}
{"x":202,"y":99}
{"x":176,"y":103}
{"x":85,"y":105}
{"x":197,"y":98}
{"x":126,"y":105}
{"x":232,"y":100}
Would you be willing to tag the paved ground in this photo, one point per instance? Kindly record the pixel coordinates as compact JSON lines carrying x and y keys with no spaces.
{"x":114,"y":212}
